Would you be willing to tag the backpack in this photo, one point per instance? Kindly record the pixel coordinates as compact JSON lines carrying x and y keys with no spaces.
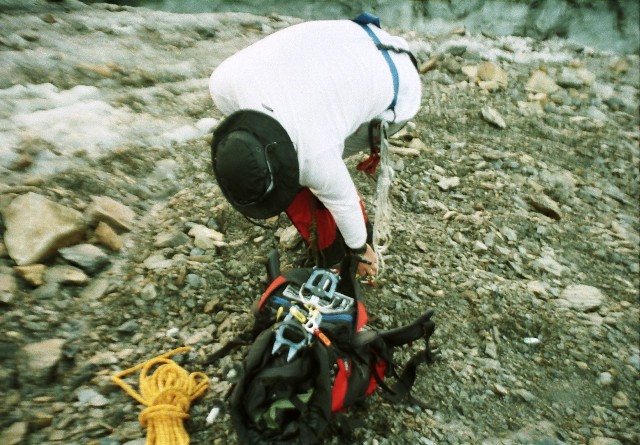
{"x":313,"y":356}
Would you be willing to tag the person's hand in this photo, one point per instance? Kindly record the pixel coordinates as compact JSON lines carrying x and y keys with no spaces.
{"x":368,"y":265}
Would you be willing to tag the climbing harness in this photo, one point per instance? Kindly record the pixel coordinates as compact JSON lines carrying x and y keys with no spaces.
{"x":167,"y":392}
{"x":366,"y":19}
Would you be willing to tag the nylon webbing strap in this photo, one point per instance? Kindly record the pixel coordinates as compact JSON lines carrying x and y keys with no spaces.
{"x":363,"y":20}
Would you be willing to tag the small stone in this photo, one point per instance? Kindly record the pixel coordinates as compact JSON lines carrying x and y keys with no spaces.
{"x":582,"y":365}
{"x":57,"y":436}
{"x":290,"y":237}
{"x":101,"y":70}
{"x":489,"y":85}
{"x":199,"y":336}
{"x":8,"y":285}
{"x":569,"y":78}
{"x":212,"y":305}
{"x":65,"y":275}
{"x":157,"y":261}
{"x":527,"y":396}
{"x":41,"y":419}
{"x":15,"y":434}
{"x":620,"y":400}
{"x":206,"y":238}
{"x":493,"y":117}
{"x":149,"y":292}
{"x":492,"y":72}
{"x":171,"y":239}
{"x":634,"y":360}
{"x":479,"y":246}
{"x":39,"y":360}
{"x":128,"y":327}
{"x":237,"y":269}
{"x":549,"y":264}
{"x":108,"y":210}
{"x":605,"y":379}
{"x":537,"y":288}
{"x":86,"y":256}
{"x":416,"y":144}
{"x":540,"y":82}
{"x":47,"y":291}
{"x":500,"y":390}
{"x":95,"y":290}
{"x":586,"y":76}
{"x":471,"y":71}
{"x":32,"y":274}
{"x":510,"y":234}
{"x":103,"y":358}
{"x":428,"y":65}
{"x":108,"y":237}
{"x":90,"y":397}
{"x":545,"y":205}
{"x":194,"y":281}
{"x":604,"y":441}
{"x":491,"y":350}
{"x":449,"y":183}
{"x":582,"y":297}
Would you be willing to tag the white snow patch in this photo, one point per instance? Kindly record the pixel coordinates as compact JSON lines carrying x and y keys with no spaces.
{"x":78,"y":121}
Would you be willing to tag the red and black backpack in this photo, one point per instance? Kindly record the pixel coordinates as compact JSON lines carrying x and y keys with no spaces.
{"x":314,"y":355}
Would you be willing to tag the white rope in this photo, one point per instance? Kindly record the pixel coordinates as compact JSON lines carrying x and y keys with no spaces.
{"x":382,"y":223}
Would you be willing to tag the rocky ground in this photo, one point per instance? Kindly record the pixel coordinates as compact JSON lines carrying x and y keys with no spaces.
{"x":515,"y":217}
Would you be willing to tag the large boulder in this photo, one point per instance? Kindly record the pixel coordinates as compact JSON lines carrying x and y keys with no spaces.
{"x":38,"y":227}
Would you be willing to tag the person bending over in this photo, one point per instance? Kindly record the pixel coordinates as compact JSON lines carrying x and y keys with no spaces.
{"x":296,"y":104}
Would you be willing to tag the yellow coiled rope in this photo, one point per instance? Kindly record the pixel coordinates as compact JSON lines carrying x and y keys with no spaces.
{"x":167,"y":393}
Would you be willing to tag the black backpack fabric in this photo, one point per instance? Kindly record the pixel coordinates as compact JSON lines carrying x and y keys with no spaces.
{"x":292,"y":397}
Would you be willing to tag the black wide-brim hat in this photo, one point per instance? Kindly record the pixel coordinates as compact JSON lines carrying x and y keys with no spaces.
{"x":255,"y":164}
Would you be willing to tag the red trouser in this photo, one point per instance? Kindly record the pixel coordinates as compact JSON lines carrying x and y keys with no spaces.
{"x":305,"y":212}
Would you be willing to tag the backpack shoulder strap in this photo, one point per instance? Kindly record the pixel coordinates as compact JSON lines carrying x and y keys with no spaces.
{"x":422,"y":328}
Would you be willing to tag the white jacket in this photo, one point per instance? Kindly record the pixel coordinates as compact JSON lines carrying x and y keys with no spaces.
{"x":321,"y":80}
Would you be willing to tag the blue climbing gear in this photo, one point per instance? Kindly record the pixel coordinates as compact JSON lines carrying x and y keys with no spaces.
{"x":366,"y":19}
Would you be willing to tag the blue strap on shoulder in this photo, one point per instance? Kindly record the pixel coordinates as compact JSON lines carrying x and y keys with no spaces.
{"x":365,"y":19}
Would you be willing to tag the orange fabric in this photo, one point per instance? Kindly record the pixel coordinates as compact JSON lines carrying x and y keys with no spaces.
{"x":274,"y":284}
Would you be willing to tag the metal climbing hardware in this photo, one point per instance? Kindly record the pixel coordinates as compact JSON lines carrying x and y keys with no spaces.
{"x":297,"y":313}
{"x":320,"y":291}
{"x":312,"y":326}
{"x":292,"y":334}
{"x":321,"y":284}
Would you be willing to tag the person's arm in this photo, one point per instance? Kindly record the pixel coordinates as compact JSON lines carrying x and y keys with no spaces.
{"x":329,"y":179}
